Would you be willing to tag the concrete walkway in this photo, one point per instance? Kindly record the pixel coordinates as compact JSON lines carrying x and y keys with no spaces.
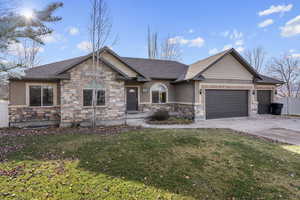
{"x":278,"y":128}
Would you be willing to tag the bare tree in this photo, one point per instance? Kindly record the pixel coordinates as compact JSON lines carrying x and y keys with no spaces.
{"x":100,"y":29}
{"x":287,"y":69}
{"x":152,"y":44}
{"x":256,"y":58}
{"x":170,"y":50}
{"x":27,"y":53}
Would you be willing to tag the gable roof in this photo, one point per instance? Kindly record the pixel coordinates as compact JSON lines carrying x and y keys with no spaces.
{"x":196,"y":69}
{"x":147,"y":68}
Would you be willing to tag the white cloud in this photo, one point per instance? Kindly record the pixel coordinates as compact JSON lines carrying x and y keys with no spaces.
{"x":225,"y":33}
{"x":18,"y":49}
{"x":239,"y":42}
{"x":235,"y":35}
{"x":226,"y":47}
{"x":191,"y":31}
{"x":276,"y":9}
{"x":240,"y":49}
{"x":178,"y":40}
{"x":213,"y":51}
{"x":291,"y":28}
{"x":73,"y":31}
{"x":295,"y":55}
{"x":197,"y":42}
{"x":85,"y":46}
{"x":265,"y":23}
{"x":52,"y":38}
{"x":292,"y":50}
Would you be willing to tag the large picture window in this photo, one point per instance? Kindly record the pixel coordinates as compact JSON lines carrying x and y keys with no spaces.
{"x":159,"y":93}
{"x":88,"y":97}
{"x":40,"y":95}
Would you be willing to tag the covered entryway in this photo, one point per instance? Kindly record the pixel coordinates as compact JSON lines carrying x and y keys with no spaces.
{"x":226,"y":103}
{"x":132,"y":99}
{"x":264,"y":101}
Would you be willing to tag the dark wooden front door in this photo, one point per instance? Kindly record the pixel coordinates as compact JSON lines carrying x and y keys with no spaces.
{"x":132,"y":98}
{"x":264,"y":101}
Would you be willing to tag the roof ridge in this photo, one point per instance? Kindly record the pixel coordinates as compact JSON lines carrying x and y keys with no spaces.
{"x":152,"y":59}
{"x":217,"y":54}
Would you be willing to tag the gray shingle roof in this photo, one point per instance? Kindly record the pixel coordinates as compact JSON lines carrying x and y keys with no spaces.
{"x":149,"y":68}
{"x":50,"y":71}
{"x":266,"y":80}
{"x":157,"y":69}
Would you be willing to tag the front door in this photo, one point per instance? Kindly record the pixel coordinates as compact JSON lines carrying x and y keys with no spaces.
{"x":132,"y":98}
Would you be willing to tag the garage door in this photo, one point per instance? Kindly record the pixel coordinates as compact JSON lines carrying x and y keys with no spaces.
{"x":226,"y":103}
{"x":264,"y":101}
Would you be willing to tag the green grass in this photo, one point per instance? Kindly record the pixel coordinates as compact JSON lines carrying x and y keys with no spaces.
{"x":149,"y":164}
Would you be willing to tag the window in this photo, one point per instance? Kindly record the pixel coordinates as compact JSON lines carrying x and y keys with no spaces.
{"x":40,"y":95}
{"x":88,"y":97}
{"x":100,"y":97}
{"x":159,"y":93}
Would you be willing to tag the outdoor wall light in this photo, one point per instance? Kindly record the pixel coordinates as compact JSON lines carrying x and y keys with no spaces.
{"x":200,"y":91}
{"x":253,"y":92}
{"x":275,"y":92}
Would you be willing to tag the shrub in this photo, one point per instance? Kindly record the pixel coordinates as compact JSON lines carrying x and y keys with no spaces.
{"x":160,"y":115}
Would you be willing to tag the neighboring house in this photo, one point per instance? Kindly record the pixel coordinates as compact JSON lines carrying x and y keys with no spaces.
{"x":223,"y":85}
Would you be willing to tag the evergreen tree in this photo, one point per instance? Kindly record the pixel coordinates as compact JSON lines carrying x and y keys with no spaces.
{"x":14,"y":27}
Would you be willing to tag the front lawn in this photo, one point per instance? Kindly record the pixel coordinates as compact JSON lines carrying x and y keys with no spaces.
{"x":148,"y":164}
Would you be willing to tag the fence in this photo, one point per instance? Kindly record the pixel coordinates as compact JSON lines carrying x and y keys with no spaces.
{"x":291,"y":105}
{"x":3,"y":113}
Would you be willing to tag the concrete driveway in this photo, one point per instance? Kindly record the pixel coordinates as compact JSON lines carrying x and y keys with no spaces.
{"x":278,"y":128}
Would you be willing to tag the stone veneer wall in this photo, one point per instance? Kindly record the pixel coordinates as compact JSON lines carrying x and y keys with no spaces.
{"x":72,"y":109}
{"x":33,"y":116}
{"x":175,"y":109}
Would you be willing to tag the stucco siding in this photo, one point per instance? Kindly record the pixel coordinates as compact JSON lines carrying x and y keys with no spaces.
{"x":17,"y":93}
{"x":184,"y":92}
{"x":228,"y":68}
{"x":115,"y":62}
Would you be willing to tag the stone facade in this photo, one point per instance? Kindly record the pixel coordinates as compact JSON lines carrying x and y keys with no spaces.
{"x":72,"y":109}
{"x":176,"y":109}
{"x":185,"y":110}
{"x":33,"y":116}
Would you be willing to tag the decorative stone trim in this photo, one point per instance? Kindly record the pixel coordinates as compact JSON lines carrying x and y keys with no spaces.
{"x":31,"y":116}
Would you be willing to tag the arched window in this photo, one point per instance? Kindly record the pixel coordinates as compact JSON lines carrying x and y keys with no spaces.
{"x":159,"y":93}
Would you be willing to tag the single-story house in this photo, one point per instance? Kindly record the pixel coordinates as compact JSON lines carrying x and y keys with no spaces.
{"x":222,"y":85}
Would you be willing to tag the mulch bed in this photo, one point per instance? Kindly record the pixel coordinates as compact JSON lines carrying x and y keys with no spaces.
{"x":104,"y":130}
{"x":171,"y":121}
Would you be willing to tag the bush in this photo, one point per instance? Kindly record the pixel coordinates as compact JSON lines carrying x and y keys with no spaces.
{"x":160,"y":115}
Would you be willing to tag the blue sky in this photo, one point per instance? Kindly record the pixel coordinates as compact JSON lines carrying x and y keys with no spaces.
{"x":200,"y":27}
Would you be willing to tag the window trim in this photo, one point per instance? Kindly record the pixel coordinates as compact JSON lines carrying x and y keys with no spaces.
{"x":94,"y":94}
{"x":167,"y":92}
{"x":54,"y":87}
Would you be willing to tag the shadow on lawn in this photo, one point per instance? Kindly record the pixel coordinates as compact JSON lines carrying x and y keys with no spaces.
{"x":168,"y":161}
